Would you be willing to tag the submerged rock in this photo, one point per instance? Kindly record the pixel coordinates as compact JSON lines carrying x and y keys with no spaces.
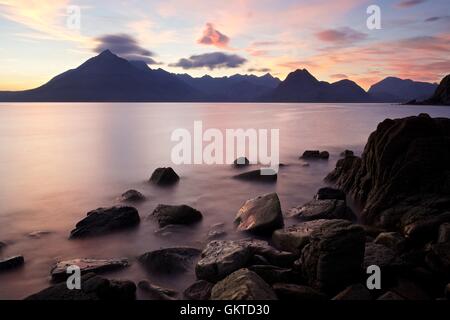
{"x":11,"y":263}
{"x":289,"y":291}
{"x":169,"y":260}
{"x":258,"y":176}
{"x":132,"y":196}
{"x":295,"y":238}
{"x":322,"y":209}
{"x":328,"y":193}
{"x":261,"y":214}
{"x":93,"y":287}
{"x":156,"y":292}
{"x":242,"y":285}
{"x":334,"y":257}
{"x":59,"y":270}
{"x":106,"y":220}
{"x":354,"y":292}
{"x":315,"y":154}
{"x":164,"y":177}
{"x":167,"y":215}
{"x":199,"y":290}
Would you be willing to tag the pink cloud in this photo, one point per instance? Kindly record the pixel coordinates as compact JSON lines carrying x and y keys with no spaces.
{"x":342,"y":35}
{"x":213,"y":37}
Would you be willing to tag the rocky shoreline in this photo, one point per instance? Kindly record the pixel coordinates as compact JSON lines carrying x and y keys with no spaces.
{"x":402,"y":181}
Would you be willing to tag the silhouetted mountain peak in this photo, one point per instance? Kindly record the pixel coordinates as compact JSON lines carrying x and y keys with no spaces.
{"x":142,"y":65}
{"x":301,"y":76}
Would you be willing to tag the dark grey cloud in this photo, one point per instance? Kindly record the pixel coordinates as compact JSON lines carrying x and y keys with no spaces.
{"x":211,"y":36}
{"x":125,"y":46}
{"x":211,"y":61}
{"x":409,"y":3}
{"x":259,"y":70}
{"x":437,"y":18}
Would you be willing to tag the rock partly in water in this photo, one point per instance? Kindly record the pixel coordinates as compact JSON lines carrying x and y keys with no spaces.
{"x":334,"y":257}
{"x":354,"y":292}
{"x":59,"y":270}
{"x":11,"y":263}
{"x":155,"y":292}
{"x":260,"y":175}
{"x":392,"y":240}
{"x":328,"y":193}
{"x":261,"y":214}
{"x":405,"y":168}
{"x":132,"y":196}
{"x":167,"y":215}
{"x":169,"y":260}
{"x":347,"y":153}
{"x":241,"y":162}
{"x":200,"y":290}
{"x":289,"y":291}
{"x":93,"y":287}
{"x":242,"y":285}
{"x":164,"y":177}
{"x":106,"y":220}
{"x":273,"y":256}
{"x":322,"y":209}
{"x":295,"y":238}
{"x":315,"y":154}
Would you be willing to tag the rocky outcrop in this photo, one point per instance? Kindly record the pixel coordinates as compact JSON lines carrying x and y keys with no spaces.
{"x":169,"y":260}
{"x":442,"y":93}
{"x":106,"y":220}
{"x":403,"y":173}
{"x":334,"y":257}
{"x":261,"y":214}
{"x":321,"y":209}
{"x":11,"y":263}
{"x":164,"y":177}
{"x":200,"y":290}
{"x":315,"y":154}
{"x":92,"y":288}
{"x":59,"y":270}
{"x":329,"y":193}
{"x":167,"y":215}
{"x":242,"y":285}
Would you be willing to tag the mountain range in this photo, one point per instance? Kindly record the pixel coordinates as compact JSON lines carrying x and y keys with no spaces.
{"x":110,"y":78}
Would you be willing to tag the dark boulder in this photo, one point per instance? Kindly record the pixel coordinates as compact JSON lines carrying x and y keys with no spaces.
{"x":354,"y":292}
{"x":315,"y":154}
{"x":259,"y":175}
{"x":273,"y":274}
{"x":92,"y":288}
{"x":11,"y":263}
{"x":167,"y":215}
{"x":106,"y":220}
{"x":347,"y":153}
{"x":169,"y":260}
{"x":200,"y":290}
{"x":423,"y":228}
{"x":444,"y":233}
{"x":334,"y":257}
{"x":242,"y":285}
{"x":393,"y":240}
{"x":164,"y":177}
{"x":59,"y":270}
{"x":442,"y":93}
{"x":322,"y":209}
{"x":132,"y":196}
{"x":155,"y":292}
{"x":261,"y":214}
{"x":438,"y":260}
{"x":289,"y":291}
{"x":330,"y":193}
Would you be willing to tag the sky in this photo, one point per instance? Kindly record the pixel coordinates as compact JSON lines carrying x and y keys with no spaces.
{"x":42,"y":38}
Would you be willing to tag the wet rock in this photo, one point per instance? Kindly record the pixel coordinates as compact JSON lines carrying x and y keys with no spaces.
{"x":11,"y":263}
{"x":261,"y":214}
{"x":106,"y":220}
{"x":444,"y":233}
{"x":272,"y":255}
{"x":272,"y":274}
{"x":242,"y":285}
{"x":199,"y":290}
{"x":220,"y":258}
{"x":354,"y":292}
{"x":322,"y":209}
{"x":405,"y":164}
{"x":381,"y":256}
{"x":390,"y":296}
{"x":334,"y":257}
{"x":438,"y":259}
{"x":241,"y":162}
{"x":155,"y":292}
{"x":392,"y":240}
{"x":425,"y":228}
{"x":295,"y":238}
{"x":59,"y":270}
{"x":258,"y":260}
{"x":93,"y":287}
{"x":289,"y":291}
{"x":268,"y":175}
{"x":132,"y":196}
{"x":347,"y":153}
{"x":38,"y":234}
{"x":329,"y":193}
{"x":315,"y":154}
{"x":164,"y":177}
{"x":169,"y":260}
{"x":167,"y":214}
